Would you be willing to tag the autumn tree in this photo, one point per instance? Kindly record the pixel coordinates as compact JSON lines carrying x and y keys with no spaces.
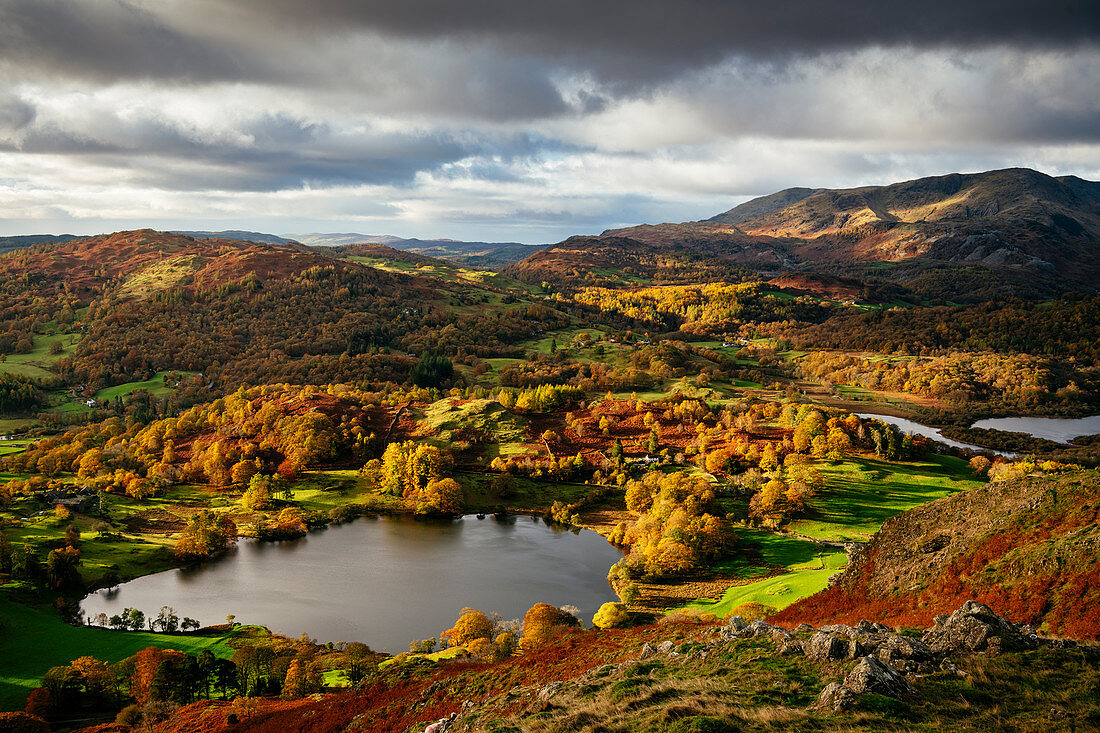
{"x":610,"y":615}
{"x":471,"y":625}
{"x":541,"y":623}
{"x":207,"y":534}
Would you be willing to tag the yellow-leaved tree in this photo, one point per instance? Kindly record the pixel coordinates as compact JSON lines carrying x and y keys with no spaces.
{"x":610,"y":615}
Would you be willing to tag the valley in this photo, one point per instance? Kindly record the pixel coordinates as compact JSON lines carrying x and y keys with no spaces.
{"x":718,"y":401}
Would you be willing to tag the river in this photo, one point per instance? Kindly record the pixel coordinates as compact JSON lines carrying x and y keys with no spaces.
{"x":383,"y":581}
{"x":915,"y":428}
{"x":1058,"y":429}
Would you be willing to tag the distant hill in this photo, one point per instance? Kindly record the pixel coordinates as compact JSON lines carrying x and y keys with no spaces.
{"x":145,"y":260}
{"x":242,"y":235}
{"x":25,"y":240}
{"x":478,"y":254}
{"x":334,"y":240}
{"x":1031,"y":232}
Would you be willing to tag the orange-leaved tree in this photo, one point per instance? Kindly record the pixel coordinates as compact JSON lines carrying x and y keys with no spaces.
{"x":541,"y":623}
{"x":471,"y":625}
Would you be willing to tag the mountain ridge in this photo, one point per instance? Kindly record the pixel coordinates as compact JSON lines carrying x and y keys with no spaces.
{"x":1028,"y":228}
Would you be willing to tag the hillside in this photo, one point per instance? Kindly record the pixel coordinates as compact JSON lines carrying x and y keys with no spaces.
{"x":1025,"y":228}
{"x":25,"y":240}
{"x":1029,"y":548}
{"x":144,"y":261}
{"x":239,"y":234}
{"x":975,"y":671}
{"x":147,"y":301}
{"x":477,"y":254}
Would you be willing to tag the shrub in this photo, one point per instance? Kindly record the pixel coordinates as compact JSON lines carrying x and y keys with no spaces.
{"x":610,"y":615}
{"x":753,"y":611}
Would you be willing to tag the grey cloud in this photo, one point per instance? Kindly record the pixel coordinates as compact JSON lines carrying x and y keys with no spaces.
{"x":629,"y":39}
{"x":267,"y":153}
{"x":626,"y":44}
{"x":15,"y":113}
{"x":109,"y":40}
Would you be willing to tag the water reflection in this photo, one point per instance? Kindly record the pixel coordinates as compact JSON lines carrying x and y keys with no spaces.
{"x":383,"y":581}
{"x":915,"y":428}
{"x":1058,"y":429}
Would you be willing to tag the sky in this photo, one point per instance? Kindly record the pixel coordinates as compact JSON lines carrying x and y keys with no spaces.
{"x":512,"y":120}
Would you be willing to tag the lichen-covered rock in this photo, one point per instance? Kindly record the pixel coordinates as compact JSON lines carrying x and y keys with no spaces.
{"x":791,"y":646}
{"x":737,"y":624}
{"x":759,"y":627}
{"x":803,"y":628}
{"x":647,"y":651}
{"x":975,"y":628}
{"x":824,"y":647}
{"x":904,"y":653}
{"x":665,"y":646}
{"x":841,"y":629}
{"x":780,"y":635}
{"x":871,"y":675}
{"x":835,"y":697}
{"x":550,"y":690}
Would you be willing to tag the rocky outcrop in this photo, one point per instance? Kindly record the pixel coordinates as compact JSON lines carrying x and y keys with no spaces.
{"x":875,"y":677}
{"x":887,"y":659}
{"x":836,"y":697}
{"x":976,"y":628}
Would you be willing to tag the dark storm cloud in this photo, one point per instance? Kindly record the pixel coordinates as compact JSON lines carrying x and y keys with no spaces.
{"x":108,"y":40}
{"x":620,"y":41}
{"x":630,"y":39}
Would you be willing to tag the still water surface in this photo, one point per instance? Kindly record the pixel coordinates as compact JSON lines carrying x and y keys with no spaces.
{"x":1058,"y":429}
{"x":915,"y":428}
{"x":383,"y":581}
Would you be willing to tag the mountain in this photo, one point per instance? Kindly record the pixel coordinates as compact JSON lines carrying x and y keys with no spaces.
{"x":1034,"y":233}
{"x":25,"y":240}
{"x":476,"y":254}
{"x":1029,"y":547}
{"x":146,"y":260}
{"x":332,"y":240}
{"x":242,"y":235}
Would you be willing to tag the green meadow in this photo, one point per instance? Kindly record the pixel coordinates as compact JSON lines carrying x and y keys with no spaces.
{"x":32,"y":641}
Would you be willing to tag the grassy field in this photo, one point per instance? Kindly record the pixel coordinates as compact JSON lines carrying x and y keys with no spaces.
{"x":808,"y":567}
{"x":38,"y":361}
{"x":7,"y":447}
{"x":33,"y":640}
{"x":861,"y":493}
{"x":15,"y":424}
{"x":154,"y":386}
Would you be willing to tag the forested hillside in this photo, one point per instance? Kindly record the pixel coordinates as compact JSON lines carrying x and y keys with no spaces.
{"x":728,"y":425}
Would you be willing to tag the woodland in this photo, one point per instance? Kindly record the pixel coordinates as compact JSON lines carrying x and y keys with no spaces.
{"x":158,"y":407}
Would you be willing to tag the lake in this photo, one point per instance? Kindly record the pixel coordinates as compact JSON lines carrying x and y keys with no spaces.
{"x":383,"y":581}
{"x":1058,"y":429}
{"x":915,"y":428}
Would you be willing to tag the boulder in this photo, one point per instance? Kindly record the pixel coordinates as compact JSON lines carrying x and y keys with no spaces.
{"x":759,"y":627}
{"x":904,"y":653}
{"x":824,"y":647}
{"x":647,"y":651}
{"x":804,"y":628}
{"x":975,"y":628}
{"x":872,"y":676}
{"x":737,"y":624}
{"x":665,"y":646}
{"x":841,"y":629}
{"x":835,"y":697}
